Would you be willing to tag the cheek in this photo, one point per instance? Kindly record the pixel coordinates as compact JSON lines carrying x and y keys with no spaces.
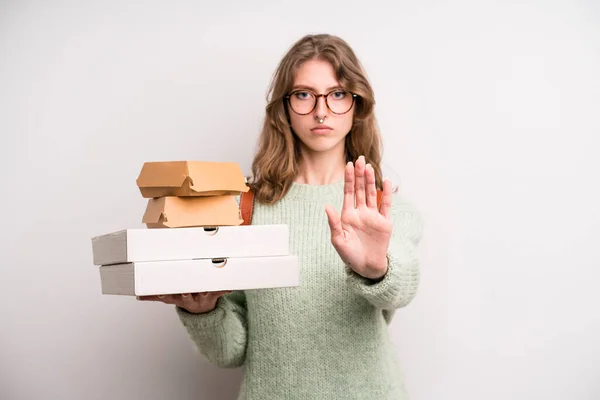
{"x":345,"y":121}
{"x":297,"y":122}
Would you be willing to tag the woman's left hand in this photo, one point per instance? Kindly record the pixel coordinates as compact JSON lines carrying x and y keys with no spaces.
{"x":362,"y":233}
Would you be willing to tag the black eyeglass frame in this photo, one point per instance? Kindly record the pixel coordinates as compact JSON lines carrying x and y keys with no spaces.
{"x":317,"y":96}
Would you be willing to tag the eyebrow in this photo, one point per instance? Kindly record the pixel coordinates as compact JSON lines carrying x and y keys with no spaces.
{"x":298,"y":87}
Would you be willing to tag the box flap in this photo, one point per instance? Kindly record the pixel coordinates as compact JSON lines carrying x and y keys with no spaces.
{"x":162,"y":174}
{"x":155,"y":211}
{"x":216,"y":176}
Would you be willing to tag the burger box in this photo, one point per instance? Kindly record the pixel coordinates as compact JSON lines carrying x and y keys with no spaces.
{"x":200,"y":211}
{"x":190,"y":178}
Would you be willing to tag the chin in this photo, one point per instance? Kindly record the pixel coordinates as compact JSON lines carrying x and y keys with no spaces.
{"x":322,"y":146}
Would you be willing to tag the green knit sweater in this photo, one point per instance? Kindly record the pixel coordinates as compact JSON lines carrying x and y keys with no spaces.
{"x":328,"y":338}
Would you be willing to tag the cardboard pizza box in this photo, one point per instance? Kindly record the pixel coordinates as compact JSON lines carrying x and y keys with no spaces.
{"x":203,"y":275}
{"x":141,"y":244}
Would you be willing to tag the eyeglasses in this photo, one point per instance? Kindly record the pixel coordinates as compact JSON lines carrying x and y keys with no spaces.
{"x":304,"y":102}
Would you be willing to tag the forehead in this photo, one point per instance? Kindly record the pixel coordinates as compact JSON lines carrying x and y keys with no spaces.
{"x":316,"y":74}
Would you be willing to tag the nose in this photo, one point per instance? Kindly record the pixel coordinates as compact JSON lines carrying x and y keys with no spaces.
{"x":321,"y":107}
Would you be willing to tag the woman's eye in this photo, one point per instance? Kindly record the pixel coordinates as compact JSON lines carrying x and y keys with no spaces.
{"x":302,"y":95}
{"x":338,"y":95}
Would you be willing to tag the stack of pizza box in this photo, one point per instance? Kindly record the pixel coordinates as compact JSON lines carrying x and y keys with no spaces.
{"x":194,"y":240}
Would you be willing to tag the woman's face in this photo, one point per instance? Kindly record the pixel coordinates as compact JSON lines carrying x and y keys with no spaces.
{"x":318,"y":77}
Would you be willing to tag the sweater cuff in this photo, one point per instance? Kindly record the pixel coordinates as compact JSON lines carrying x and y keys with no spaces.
{"x":204,"y":321}
{"x":392,"y":290}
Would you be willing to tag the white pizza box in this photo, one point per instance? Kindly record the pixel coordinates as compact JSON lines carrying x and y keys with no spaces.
{"x":143,"y":244}
{"x":205,"y":275}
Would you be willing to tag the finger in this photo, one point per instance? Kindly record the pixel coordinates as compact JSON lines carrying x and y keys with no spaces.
{"x":359,"y":181}
{"x":223,"y":292}
{"x":386,"y":200}
{"x":205,"y":296}
{"x":186,"y":300}
{"x":210,"y":301}
{"x":371,"y":189}
{"x":348,"y":187}
{"x":160,"y":297}
{"x":168,"y":298}
{"x":148,"y":298}
{"x":199,"y":297}
{"x":334,"y":221}
{"x":214,"y":295}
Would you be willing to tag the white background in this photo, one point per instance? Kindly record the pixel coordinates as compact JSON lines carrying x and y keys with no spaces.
{"x":490,"y":113}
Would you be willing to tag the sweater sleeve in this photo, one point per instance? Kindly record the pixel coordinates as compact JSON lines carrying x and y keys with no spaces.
{"x":399,"y":286}
{"x":221,"y":334}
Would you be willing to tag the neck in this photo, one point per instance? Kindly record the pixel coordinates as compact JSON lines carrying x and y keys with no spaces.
{"x":321,"y":168}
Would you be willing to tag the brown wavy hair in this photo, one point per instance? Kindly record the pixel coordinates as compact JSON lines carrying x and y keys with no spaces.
{"x":275,"y":165}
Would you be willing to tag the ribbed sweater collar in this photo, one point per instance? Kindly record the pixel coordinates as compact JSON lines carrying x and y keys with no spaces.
{"x":314,"y":192}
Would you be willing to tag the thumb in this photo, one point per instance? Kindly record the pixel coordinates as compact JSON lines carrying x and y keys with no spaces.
{"x":334,"y":220}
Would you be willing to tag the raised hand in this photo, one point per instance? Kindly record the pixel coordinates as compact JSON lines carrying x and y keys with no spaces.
{"x":361,"y":234}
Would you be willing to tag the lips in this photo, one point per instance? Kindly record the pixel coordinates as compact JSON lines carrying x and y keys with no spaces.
{"x":321,"y":129}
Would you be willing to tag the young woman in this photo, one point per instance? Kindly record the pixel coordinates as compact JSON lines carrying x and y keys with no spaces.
{"x":317,"y":169}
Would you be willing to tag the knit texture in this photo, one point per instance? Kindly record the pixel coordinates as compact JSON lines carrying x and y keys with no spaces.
{"x":327,"y":338}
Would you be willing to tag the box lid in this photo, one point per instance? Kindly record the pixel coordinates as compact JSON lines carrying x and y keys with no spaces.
{"x":190,"y":178}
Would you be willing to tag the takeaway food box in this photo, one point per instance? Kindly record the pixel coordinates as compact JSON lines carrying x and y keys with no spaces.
{"x":194,"y":240}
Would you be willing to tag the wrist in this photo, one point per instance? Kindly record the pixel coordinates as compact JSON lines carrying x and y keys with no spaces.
{"x":377,"y":270}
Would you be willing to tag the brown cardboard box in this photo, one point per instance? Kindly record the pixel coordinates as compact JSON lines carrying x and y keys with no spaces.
{"x":178,"y":212}
{"x":190,"y":178}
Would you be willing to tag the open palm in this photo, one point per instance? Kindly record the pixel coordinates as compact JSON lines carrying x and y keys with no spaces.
{"x":361,"y":234}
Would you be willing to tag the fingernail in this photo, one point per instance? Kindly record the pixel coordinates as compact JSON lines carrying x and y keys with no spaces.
{"x":160,"y":296}
{"x":185,"y":295}
{"x":205,"y":294}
